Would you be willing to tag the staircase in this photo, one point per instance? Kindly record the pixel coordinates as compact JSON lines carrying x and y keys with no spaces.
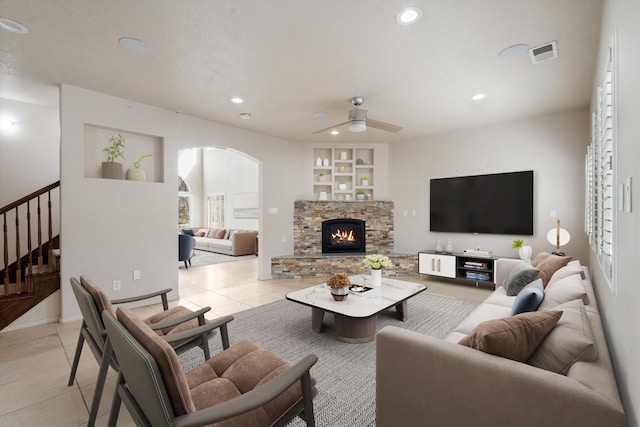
{"x":35,"y":273}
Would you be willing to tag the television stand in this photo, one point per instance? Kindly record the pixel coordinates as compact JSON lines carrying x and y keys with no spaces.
{"x":459,"y":266}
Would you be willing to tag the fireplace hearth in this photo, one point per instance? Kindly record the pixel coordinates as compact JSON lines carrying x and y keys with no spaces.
{"x":343,"y":236}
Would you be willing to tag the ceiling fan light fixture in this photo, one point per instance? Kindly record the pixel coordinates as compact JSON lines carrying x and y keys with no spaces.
{"x":134,"y":45}
{"x":335,"y":132}
{"x":357,"y":126}
{"x":409,"y":15}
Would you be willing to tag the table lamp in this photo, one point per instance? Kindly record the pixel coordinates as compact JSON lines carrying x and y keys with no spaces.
{"x":559,"y":237}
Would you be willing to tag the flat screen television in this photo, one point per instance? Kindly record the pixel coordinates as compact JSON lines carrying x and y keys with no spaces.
{"x":500,"y":203}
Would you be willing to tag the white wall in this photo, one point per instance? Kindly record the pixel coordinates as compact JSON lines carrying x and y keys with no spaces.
{"x":231,"y":173}
{"x":553,"y":146}
{"x":110,"y":227}
{"x":620,"y":311}
{"x":29,"y":153}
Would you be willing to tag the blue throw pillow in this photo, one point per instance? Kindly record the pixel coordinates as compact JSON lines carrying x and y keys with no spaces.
{"x":528,"y":299}
{"x":187,"y":231}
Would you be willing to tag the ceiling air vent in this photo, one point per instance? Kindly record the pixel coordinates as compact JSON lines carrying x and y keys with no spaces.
{"x":543,"y":53}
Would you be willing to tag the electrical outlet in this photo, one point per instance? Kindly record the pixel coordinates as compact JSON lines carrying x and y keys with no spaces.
{"x":137,"y":274}
{"x":116,"y":285}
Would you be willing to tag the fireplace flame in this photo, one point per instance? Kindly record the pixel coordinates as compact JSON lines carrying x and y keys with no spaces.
{"x":343,"y":236}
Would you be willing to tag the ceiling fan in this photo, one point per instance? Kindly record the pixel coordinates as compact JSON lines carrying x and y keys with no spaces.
{"x":358,"y":121}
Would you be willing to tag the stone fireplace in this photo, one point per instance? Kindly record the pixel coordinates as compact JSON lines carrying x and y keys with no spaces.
{"x":309,"y":259}
{"x":343,"y":236}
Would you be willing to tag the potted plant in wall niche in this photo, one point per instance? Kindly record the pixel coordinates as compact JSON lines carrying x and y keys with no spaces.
{"x":365,"y":180}
{"x":322,"y":177}
{"x":137,"y":174}
{"x":112,"y":169}
{"x":360,"y":195}
{"x":524,"y":251}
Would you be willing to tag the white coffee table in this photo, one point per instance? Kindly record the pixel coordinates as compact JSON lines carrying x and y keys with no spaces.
{"x":356,"y":317}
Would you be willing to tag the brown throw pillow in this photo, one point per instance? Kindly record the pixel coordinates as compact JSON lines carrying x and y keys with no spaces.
{"x":539,"y":258}
{"x":199,"y":234}
{"x":549,"y":265}
{"x":220,"y":234}
{"x":514,"y":338}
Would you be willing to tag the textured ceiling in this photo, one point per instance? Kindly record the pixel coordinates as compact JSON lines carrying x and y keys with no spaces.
{"x":289,"y":58}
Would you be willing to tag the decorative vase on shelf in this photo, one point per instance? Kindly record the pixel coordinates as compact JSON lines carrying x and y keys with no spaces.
{"x":135,"y":175}
{"x":449,"y":247}
{"x":318,"y":161}
{"x":326,"y":162}
{"x":376,"y":278}
{"x":438,"y":246}
{"x":112,"y":170}
{"x":525,"y":253}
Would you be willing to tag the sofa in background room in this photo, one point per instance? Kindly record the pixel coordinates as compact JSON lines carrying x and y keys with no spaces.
{"x":225,"y":241}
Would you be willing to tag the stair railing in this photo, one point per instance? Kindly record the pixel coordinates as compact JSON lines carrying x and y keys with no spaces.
{"x":15,"y":208}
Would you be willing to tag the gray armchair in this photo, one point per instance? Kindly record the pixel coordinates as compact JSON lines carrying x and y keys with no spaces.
{"x":186,"y":244}
{"x":244,"y":385}
{"x":168,"y":324}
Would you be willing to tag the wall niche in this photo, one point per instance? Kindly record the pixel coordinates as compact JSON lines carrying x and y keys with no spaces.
{"x":96,"y":138}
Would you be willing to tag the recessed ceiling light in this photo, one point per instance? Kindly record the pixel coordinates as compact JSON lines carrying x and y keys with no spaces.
{"x":13,"y":26}
{"x":320,"y":114}
{"x":6,"y":124}
{"x":237,"y":100}
{"x":245,"y":116}
{"x":409,"y":15}
{"x":513,"y":51}
{"x":478,"y":96}
{"x":134,"y":45}
{"x":335,"y":132}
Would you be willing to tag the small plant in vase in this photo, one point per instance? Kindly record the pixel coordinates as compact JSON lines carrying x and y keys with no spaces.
{"x":137,"y":174}
{"x":112,"y":169}
{"x":524,"y":251}
{"x":365,"y":180}
{"x":377,"y":262}
{"x":339,"y":286}
{"x":322,"y":177}
{"x":361,"y":195}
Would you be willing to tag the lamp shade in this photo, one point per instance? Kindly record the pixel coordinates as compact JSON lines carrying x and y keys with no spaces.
{"x":552,"y":236}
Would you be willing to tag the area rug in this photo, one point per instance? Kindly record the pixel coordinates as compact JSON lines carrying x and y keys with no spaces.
{"x":345,"y":373}
{"x":208,"y":258}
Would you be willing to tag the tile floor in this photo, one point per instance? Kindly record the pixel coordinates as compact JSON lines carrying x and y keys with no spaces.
{"x":35,"y":362}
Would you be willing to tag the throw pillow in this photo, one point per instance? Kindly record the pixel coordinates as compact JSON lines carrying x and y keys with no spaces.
{"x":514,"y":337}
{"x":199,"y":234}
{"x":570,"y":341}
{"x":212,"y":233}
{"x":539,"y":258}
{"x":562,"y":291}
{"x":527,"y":300}
{"x":549,"y":265}
{"x":519,"y":277}
{"x":187,"y":231}
{"x":220,"y":234}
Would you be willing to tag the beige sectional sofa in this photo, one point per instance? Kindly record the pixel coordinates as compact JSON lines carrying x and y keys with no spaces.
{"x":422,"y":380}
{"x":226,"y":241}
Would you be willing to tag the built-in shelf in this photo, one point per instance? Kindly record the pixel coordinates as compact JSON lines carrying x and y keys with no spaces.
{"x":346,"y":166}
{"x":96,"y":138}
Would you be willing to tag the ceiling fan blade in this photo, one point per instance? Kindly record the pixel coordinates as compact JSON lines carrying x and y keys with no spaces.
{"x":330,"y":127}
{"x":358,"y":113}
{"x":383,"y":126}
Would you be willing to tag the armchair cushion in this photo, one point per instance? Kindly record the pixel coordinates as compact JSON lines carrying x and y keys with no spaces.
{"x":235,"y":371}
{"x":99,"y":297}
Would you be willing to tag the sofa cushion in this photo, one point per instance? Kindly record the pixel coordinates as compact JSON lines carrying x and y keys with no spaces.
{"x":519,"y":277}
{"x":199,"y":234}
{"x":514,"y":337}
{"x":187,"y":231}
{"x":227,"y":234}
{"x":500,"y":297}
{"x":550,"y":265}
{"x":528,"y":299}
{"x":562,"y":291}
{"x":571,"y":340}
{"x":220,"y":234}
{"x":482,"y":313}
{"x":573,"y":267}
